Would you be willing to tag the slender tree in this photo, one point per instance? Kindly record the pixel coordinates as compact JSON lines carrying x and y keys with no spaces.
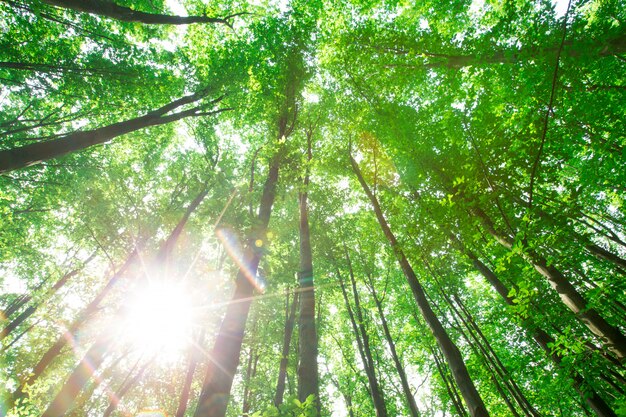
{"x":406,"y":389}
{"x":451,"y":352}
{"x":290,"y":318}
{"x":362,"y":338}
{"x":125,"y":14}
{"x":308,"y":375}
{"x":21,"y":157}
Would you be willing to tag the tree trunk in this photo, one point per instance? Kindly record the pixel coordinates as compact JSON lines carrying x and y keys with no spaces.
{"x":226,"y":350}
{"x":452,"y":354}
{"x":125,"y":14}
{"x":362,"y":340}
{"x":68,"y":335}
{"x":290,"y":317}
{"x":126,"y":386}
{"x":93,"y":306}
{"x":410,"y":398}
{"x":14,"y":324}
{"x":308,"y":375}
{"x":79,"y":378}
{"x":543,"y":339}
{"x":602,"y":253}
{"x":24,"y":156}
{"x":614,"y":46}
{"x":252,"y":357}
{"x":194,"y":357}
{"x":611,"y":336}
{"x":454,"y":396}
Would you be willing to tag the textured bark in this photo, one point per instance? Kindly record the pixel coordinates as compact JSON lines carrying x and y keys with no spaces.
{"x":17,"y":321}
{"x":68,"y":335}
{"x":609,"y":47}
{"x":410,"y":398}
{"x":24,"y":156}
{"x":218,"y":381}
{"x":452,"y":394}
{"x":194,"y":358}
{"x":166,"y":248}
{"x":78,"y":379}
{"x":602,"y":253}
{"x":109,"y":9}
{"x":543,"y":339}
{"x":94,"y":305}
{"x":226,"y":350}
{"x":290,"y":318}
{"x":308,"y":374}
{"x":362,"y":340}
{"x":124,"y":388}
{"x":450,"y":351}
{"x":610,"y":335}
{"x":250,"y":371}
{"x":490,"y":355}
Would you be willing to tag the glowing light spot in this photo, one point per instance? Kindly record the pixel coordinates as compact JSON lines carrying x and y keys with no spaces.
{"x":159,"y":320}
{"x":258,"y":243}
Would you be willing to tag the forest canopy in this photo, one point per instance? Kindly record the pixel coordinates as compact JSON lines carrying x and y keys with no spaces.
{"x":312,"y":208}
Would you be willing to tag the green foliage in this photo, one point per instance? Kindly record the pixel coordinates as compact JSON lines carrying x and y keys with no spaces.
{"x":291,"y":407}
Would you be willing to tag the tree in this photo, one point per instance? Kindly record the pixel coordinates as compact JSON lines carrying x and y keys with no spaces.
{"x":149,"y":236}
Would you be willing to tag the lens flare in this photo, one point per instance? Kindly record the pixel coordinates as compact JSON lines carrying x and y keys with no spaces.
{"x":159,"y":320}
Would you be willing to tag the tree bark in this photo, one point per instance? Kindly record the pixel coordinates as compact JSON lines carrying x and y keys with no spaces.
{"x":226,"y":350}
{"x":194,"y":358}
{"x":126,"y":386}
{"x":362,"y":340}
{"x":308,"y":375}
{"x":93,"y":306}
{"x":410,"y":398}
{"x":543,"y":339}
{"x":452,"y":393}
{"x":614,"y":46}
{"x":602,"y":253}
{"x":17,"y":321}
{"x":610,"y":335}
{"x":452,"y":354}
{"x":252,"y":358}
{"x":24,"y":156}
{"x":79,"y":378}
{"x":68,"y":335}
{"x":125,"y":14}
{"x":290,"y":317}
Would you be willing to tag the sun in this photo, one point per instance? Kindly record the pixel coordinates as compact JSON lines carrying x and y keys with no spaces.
{"x":159,"y":320}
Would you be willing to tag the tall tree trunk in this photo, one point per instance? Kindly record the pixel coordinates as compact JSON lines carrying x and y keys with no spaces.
{"x":16,"y":158}
{"x":290,"y":317}
{"x":452,"y":354}
{"x":125,"y":387}
{"x":365,"y":352}
{"x":218,"y":381}
{"x":252,"y":358}
{"x":543,"y":339}
{"x":17,"y":321}
{"x":93,"y":306}
{"x":79,"y":378}
{"x":226,"y":350}
{"x":410,"y":398}
{"x":308,"y":375}
{"x":68,"y":334}
{"x":109,"y":9}
{"x":613,"y":46}
{"x":345,"y":394}
{"x":194,"y":357}
{"x":602,"y":253}
{"x":450,"y":388}
{"x":611,"y":336}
